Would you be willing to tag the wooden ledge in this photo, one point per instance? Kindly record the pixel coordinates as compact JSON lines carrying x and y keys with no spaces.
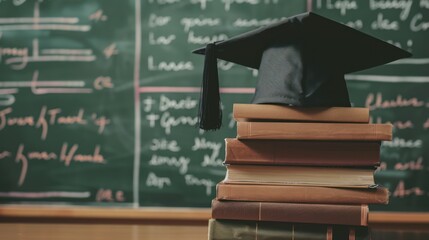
{"x":201,"y":215}
{"x":106,"y":213}
{"x":399,"y":217}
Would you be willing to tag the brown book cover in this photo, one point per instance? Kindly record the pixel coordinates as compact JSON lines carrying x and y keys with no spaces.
{"x":301,"y":194}
{"x":289,"y":152}
{"x":314,"y":131}
{"x":272,"y":112}
{"x":356,"y":215}
{"x":300,"y":176}
{"x":254,"y":230}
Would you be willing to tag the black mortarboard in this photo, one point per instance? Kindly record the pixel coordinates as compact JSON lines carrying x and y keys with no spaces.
{"x":301,"y":60}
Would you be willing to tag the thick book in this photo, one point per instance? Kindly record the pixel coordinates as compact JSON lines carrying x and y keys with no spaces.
{"x":355,"y":215}
{"x":272,"y":112}
{"x":301,"y":194}
{"x":256,"y":230}
{"x":314,"y":131}
{"x":300,"y":176}
{"x":315,"y":153}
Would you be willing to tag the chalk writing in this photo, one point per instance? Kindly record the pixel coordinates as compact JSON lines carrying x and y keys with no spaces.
{"x":403,"y":5}
{"x":403,"y":143}
{"x":212,"y":161}
{"x":424,"y":4}
{"x":202,"y":143}
{"x":19,"y":58}
{"x":410,"y":165}
{"x":208,"y":184}
{"x":4,"y":154}
{"x":417,"y":24}
{"x":224,"y":65}
{"x":100,"y":121}
{"x":148,"y":102}
{"x":50,"y":117}
{"x":356,"y":24}
{"x":163,"y":144}
{"x":179,"y":162}
{"x":169,"y":66}
{"x":158,"y":21}
{"x":382,"y":23}
{"x":65,"y":154}
{"x":242,"y":22}
{"x":15,"y":52}
{"x":202,"y":40}
{"x":161,"y":40}
{"x":189,"y":23}
{"x":98,"y":16}
{"x":103,"y":82}
{"x":110,"y":50}
{"x":153,"y":180}
{"x":342,"y":5}
{"x":165,"y":103}
{"x":167,"y":121}
{"x":228,"y":3}
{"x":402,"y":125}
{"x":107,"y":195}
{"x":70,"y":154}
{"x":401,"y":191}
{"x":376,"y":101}
{"x":396,"y":124}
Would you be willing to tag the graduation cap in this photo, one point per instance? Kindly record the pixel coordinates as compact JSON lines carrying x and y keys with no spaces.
{"x":301,"y":60}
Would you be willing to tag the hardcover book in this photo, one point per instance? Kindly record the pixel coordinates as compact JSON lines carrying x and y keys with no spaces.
{"x":255,"y":230}
{"x":314,"y":131}
{"x":301,"y":194}
{"x":284,"y":152}
{"x":272,"y":112}
{"x":300,"y":176}
{"x":356,"y":215}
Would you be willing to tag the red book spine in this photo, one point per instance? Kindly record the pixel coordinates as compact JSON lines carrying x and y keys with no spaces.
{"x":356,"y":215}
{"x":323,"y":153}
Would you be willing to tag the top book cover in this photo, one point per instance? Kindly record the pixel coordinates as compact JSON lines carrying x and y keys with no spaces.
{"x":280,"y":113}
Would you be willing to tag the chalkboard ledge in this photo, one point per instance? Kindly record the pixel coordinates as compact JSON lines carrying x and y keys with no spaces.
{"x":162,"y":215}
{"x":104,"y":214}
{"x":399,"y":220}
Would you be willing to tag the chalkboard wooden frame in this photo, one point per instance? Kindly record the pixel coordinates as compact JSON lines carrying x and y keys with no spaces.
{"x":109,"y":214}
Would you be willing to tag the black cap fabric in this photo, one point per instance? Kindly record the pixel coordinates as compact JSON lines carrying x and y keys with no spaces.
{"x":301,"y":60}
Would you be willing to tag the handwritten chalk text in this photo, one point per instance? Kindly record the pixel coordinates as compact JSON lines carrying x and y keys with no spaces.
{"x":191,"y":180}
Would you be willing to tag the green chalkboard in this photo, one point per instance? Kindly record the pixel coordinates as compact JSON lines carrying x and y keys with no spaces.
{"x":186,"y":173}
{"x":396,"y":93}
{"x":66,"y":101}
{"x":98,"y":98}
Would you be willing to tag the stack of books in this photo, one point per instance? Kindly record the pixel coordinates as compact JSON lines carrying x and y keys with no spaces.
{"x":299,"y":173}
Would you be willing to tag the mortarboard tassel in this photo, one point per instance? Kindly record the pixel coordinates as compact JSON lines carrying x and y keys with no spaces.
{"x":210,"y":113}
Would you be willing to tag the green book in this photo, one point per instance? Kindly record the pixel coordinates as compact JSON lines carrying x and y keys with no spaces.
{"x":254,"y":230}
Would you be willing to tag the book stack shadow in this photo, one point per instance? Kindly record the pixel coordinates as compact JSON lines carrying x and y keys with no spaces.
{"x":299,"y":173}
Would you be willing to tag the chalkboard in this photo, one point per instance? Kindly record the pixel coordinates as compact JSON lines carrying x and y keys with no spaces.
{"x":396,"y":93}
{"x":67,"y":101}
{"x":98,"y":98}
